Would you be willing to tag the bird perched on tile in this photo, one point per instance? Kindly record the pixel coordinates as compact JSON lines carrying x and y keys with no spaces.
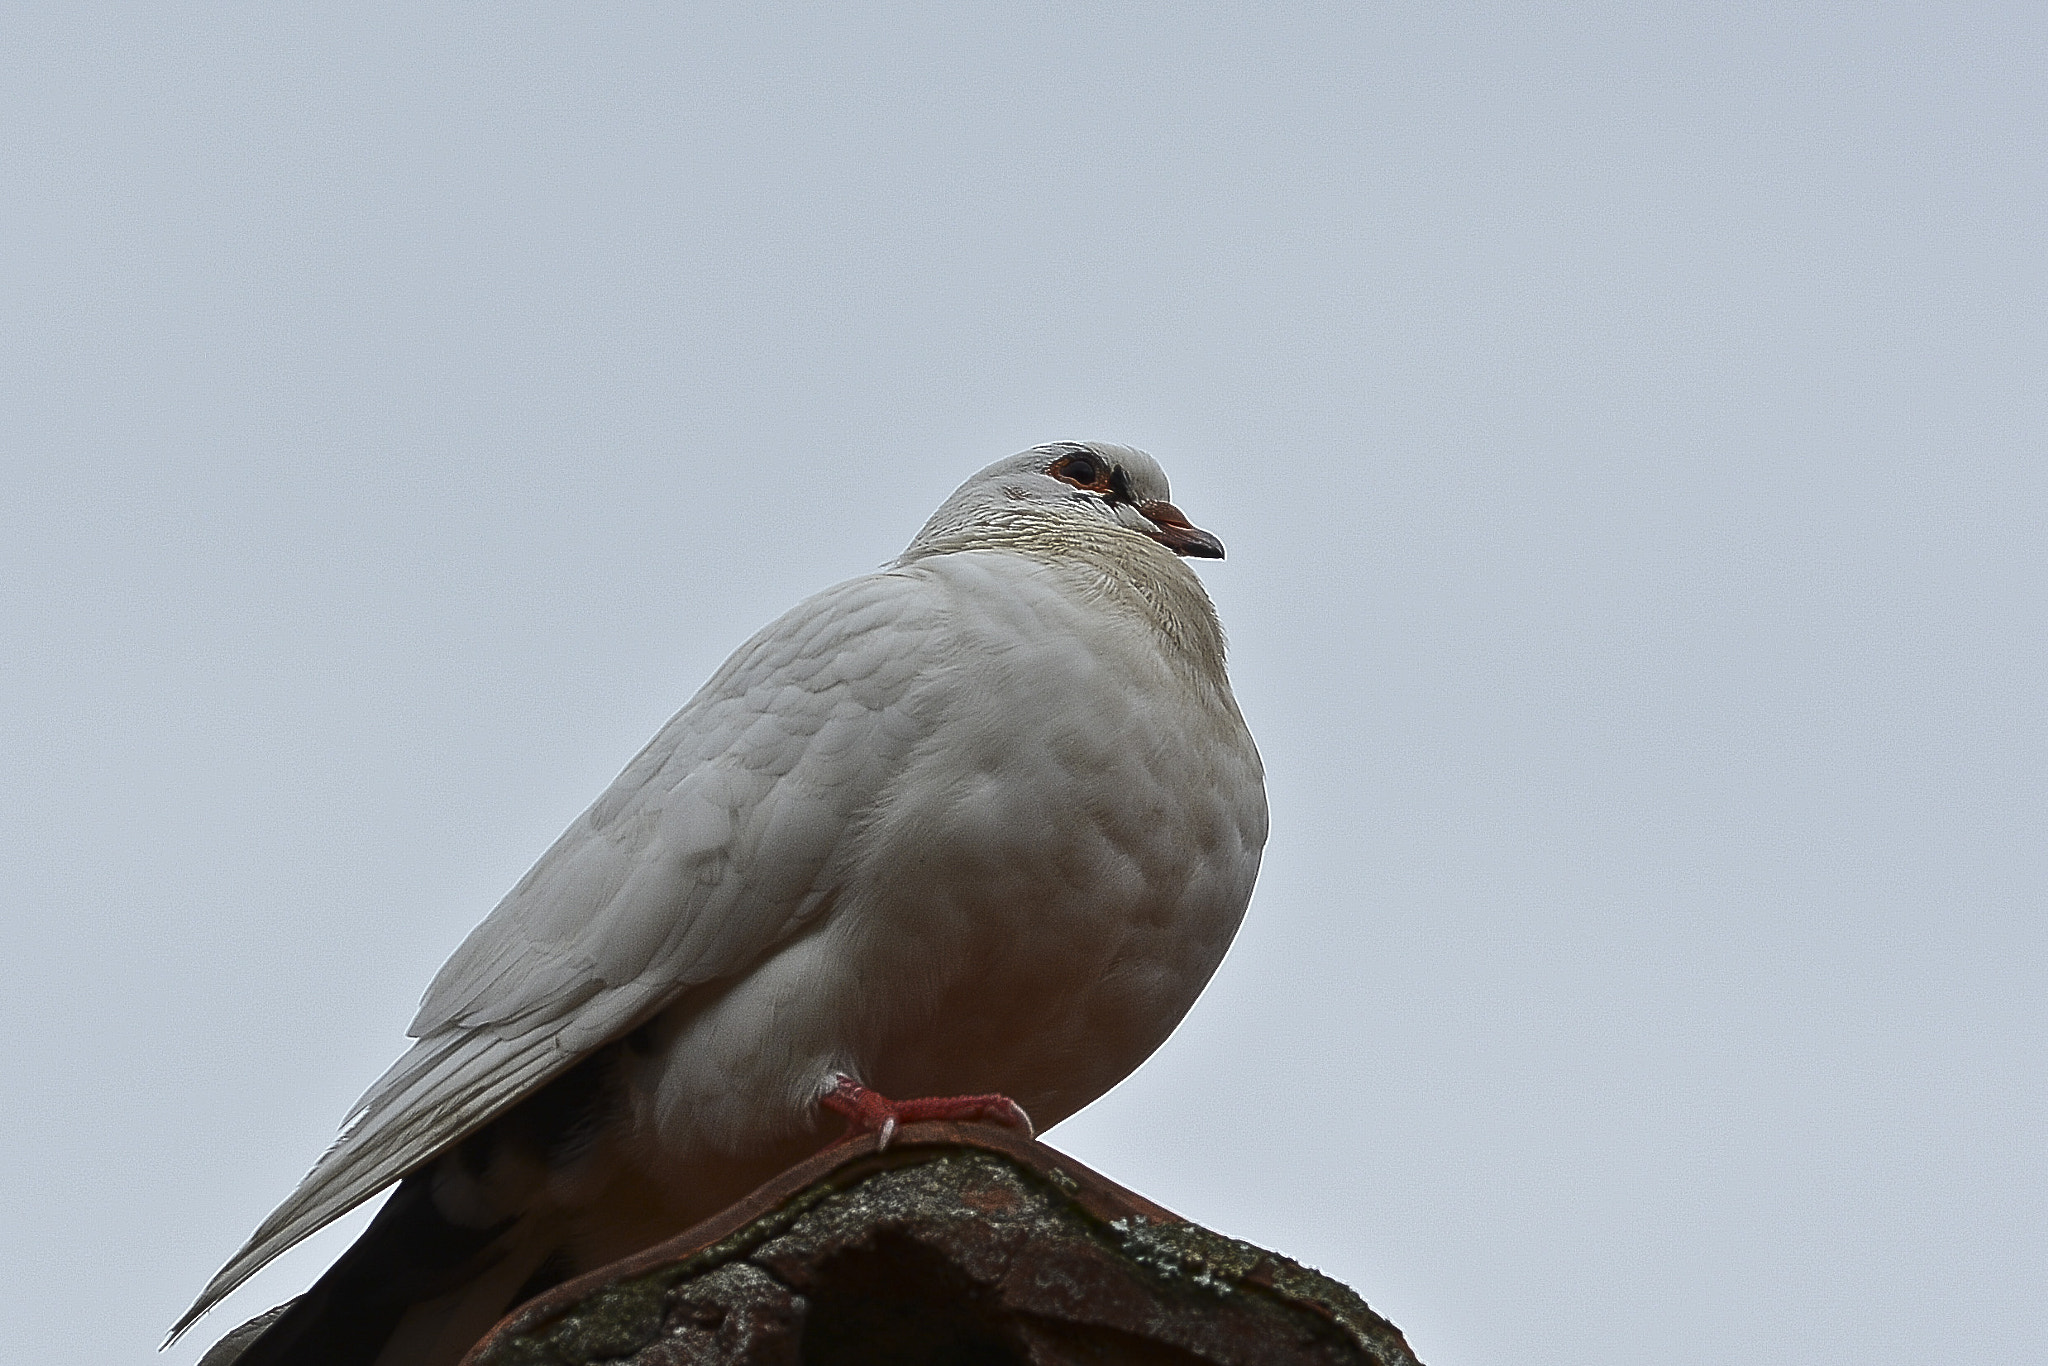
{"x":978,"y":826}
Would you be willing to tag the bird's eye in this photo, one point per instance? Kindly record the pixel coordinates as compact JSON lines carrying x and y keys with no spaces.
{"x":1079,"y":469}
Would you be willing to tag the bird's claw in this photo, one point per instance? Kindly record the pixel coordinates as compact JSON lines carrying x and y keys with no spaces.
{"x":872,"y":1112}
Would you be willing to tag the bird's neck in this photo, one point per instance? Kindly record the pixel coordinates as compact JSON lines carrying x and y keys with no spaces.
{"x":1125,"y":571}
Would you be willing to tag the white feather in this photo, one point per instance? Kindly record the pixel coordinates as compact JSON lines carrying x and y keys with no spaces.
{"x":1003,"y":778}
{"x":646,"y":895}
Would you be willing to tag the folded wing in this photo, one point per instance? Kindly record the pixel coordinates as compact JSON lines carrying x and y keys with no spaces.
{"x":714,"y":845}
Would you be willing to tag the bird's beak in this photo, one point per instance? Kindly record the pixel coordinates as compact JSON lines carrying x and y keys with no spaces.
{"x":1172,"y":529}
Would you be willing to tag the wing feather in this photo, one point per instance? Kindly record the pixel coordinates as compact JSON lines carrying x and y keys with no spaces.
{"x":711,"y":848}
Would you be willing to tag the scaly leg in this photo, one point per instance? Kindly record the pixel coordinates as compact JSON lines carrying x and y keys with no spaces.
{"x":874,"y":1113}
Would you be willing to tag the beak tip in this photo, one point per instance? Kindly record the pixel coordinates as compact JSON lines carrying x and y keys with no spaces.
{"x":1172,"y":529}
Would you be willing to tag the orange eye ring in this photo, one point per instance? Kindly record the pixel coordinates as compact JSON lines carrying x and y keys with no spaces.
{"x":1083,"y":471}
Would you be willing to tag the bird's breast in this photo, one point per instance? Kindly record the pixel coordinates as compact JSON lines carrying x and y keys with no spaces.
{"x":1041,"y":896}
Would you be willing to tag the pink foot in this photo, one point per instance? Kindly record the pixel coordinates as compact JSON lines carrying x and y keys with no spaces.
{"x":871,"y":1112}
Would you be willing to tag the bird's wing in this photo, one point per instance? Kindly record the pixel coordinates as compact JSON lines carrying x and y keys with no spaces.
{"x":709,"y":850}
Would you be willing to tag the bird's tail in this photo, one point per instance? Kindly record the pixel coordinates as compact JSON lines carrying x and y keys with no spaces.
{"x":460,"y":1242}
{"x":415,"y":1290}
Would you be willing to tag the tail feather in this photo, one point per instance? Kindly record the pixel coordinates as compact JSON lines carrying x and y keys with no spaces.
{"x":410,"y":1253}
{"x":459,"y":1244}
{"x":439,"y":1092}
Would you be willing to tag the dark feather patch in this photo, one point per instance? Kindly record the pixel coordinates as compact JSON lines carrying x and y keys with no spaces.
{"x":407,"y":1254}
{"x":412,"y":1252}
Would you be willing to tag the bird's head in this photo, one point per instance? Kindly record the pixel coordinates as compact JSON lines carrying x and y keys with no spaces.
{"x":1070,"y":483}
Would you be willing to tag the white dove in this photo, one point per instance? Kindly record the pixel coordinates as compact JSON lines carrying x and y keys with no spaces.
{"x":983,"y":821}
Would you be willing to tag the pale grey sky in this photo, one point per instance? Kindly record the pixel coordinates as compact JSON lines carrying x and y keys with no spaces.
{"x":1627,"y":425}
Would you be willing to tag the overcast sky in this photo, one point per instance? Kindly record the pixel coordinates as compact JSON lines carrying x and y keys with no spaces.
{"x":1626,"y":423}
